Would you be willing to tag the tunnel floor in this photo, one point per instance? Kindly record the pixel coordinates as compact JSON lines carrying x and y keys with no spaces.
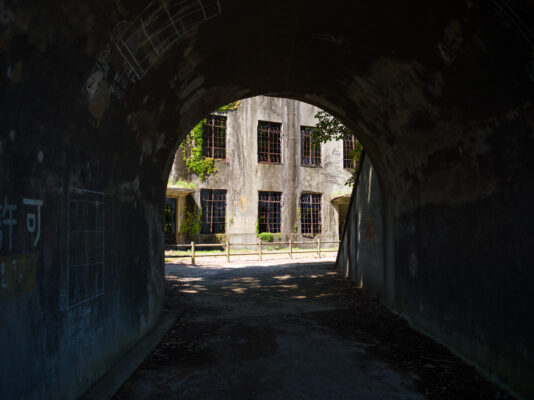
{"x":295,"y":330}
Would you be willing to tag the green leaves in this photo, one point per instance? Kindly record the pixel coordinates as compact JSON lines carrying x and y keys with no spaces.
{"x":230,"y":106}
{"x":196,"y":162}
{"x":191,"y":223}
{"x":266,"y":236}
{"x":329,"y":128}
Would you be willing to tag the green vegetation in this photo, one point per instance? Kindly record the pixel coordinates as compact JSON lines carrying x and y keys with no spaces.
{"x":329,"y":128}
{"x":230,"y":106}
{"x":191,"y":222}
{"x":182,"y":184}
{"x":192,"y":147}
{"x":265,"y":236}
{"x":196,"y":162}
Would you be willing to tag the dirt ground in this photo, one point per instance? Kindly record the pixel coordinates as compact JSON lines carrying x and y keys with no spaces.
{"x":292,"y":330}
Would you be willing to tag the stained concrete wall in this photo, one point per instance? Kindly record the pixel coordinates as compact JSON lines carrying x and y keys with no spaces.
{"x":361,"y":254}
{"x":363,"y":258}
{"x":243,"y":177}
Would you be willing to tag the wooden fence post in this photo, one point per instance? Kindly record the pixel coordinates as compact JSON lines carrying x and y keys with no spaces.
{"x":193,"y":253}
{"x":259,"y":253}
{"x":227,"y":251}
{"x":318,"y":247}
{"x":291,"y":249}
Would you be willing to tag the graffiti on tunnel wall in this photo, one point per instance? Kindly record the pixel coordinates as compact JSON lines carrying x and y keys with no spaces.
{"x":85,"y":246}
{"x":17,"y":275}
{"x":9,"y":219}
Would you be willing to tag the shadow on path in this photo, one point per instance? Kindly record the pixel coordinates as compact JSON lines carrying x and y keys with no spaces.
{"x":292,"y":331}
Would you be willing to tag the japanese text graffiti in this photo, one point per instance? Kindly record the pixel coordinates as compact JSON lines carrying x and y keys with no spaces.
{"x":33,"y":219}
{"x":9,"y":219}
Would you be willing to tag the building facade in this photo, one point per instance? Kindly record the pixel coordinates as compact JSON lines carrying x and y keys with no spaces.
{"x":269,"y":177}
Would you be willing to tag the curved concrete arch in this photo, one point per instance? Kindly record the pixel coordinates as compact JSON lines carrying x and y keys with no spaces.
{"x":95,"y":98}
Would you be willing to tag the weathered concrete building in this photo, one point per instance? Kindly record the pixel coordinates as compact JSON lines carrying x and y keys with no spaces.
{"x":269,"y":176}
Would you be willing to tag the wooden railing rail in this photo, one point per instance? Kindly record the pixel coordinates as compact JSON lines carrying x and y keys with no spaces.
{"x":260,"y":246}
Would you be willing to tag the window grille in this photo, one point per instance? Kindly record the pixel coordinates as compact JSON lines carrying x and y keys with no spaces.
{"x":214,"y":137}
{"x":348,"y":148}
{"x":213,"y":203}
{"x":269,"y":212}
{"x":269,"y":142}
{"x":310,"y":154}
{"x":310,"y":213}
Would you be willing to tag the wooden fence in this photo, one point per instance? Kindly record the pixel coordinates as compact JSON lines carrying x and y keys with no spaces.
{"x":260,"y":249}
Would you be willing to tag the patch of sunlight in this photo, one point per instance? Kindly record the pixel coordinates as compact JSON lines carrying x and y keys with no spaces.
{"x":235,"y":288}
{"x":282,"y":277}
{"x":191,"y":279}
{"x":252,"y":283}
{"x":248,"y":280}
{"x":287,"y":286}
{"x":189,"y":291}
{"x":323,"y":295}
{"x":299,"y":297}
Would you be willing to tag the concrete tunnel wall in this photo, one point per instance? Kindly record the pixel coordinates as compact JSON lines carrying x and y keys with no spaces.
{"x":440,"y":94}
{"x":361,"y":254}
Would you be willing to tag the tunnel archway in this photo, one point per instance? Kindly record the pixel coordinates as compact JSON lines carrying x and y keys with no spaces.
{"x":440,"y":96}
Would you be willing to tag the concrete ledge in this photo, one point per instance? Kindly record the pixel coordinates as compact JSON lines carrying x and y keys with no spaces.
{"x":106,"y":387}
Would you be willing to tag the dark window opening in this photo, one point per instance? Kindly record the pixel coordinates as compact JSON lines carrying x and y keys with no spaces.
{"x":169,"y":215}
{"x":269,"y":212}
{"x":310,"y":154}
{"x":269,"y":142}
{"x":213,"y":203}
{"x":214,"y":137}
{"x":310,"y":213}
{"x":348,"y":149}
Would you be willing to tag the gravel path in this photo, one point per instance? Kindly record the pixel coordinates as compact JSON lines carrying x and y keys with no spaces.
{"x":292,"y":330}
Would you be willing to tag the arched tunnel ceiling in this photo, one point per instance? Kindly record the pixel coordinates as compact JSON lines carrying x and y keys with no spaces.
{"x":407,"y":77}
{"x":395,"y":72}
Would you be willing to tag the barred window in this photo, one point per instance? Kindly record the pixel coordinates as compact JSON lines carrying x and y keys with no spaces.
{"x":269,"y":142}
{"x":310,"y":213}
{"x":310,"y":154}
{"x":348,"y":148}
{"x":213,"y":203}
{"x":214,"y":137}
{"x":269,"y":212}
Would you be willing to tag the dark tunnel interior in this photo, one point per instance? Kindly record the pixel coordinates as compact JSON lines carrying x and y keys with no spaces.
{"x":96,"y":97}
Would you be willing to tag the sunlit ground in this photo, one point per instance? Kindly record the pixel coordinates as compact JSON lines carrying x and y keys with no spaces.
{"x":292,"y":330}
